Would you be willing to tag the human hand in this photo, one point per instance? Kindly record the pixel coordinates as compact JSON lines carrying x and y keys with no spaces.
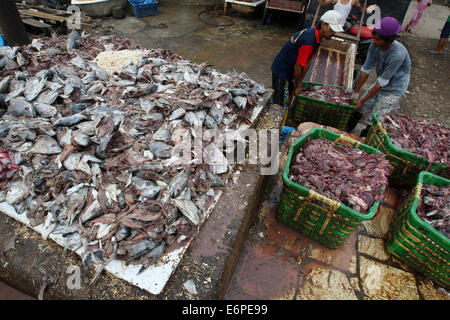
{"x":355,"y":97}
{"x":298,"y":90}
{"x":358,"y":105}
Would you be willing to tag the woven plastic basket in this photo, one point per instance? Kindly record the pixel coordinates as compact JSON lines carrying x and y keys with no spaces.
{"x":321,"y":112}
{"x":406,"y":165}
{"x":312,"y":214}
{"x":416,"y":243}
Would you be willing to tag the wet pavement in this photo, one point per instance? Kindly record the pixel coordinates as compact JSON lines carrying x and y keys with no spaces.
{"x":275,"y":262}
{"x":278,"y":262}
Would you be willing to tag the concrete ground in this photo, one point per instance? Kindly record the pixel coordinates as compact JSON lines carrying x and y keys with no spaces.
{"x":275,"y":262}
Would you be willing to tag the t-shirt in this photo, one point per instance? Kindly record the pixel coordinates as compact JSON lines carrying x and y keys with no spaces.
{"x":393,"y":67}
{"x":301,"y":47}
{"x":422,"y":5}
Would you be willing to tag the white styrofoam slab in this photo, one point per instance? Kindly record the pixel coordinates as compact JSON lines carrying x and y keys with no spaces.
{"x":153,"y":279}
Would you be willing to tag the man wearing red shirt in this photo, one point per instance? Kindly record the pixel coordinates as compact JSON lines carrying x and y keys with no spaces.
{"x":294,"y":59}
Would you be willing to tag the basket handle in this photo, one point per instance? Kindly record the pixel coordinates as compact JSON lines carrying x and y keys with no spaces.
{"x":313,"y":195}
{"x":343,"y":137}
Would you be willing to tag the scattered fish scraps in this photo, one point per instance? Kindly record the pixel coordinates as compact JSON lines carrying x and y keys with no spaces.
{"x":348,"y":175}
{"x":94,"y":122}
{"x":434,"y":207}
{"x":423,"y":139}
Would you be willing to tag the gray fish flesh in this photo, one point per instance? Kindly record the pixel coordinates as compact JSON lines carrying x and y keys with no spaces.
{"x":11,"y":64}
{"x":178,"y":183}
{"x":78,"y":107}
{"x":21,"y":107}
{"x":146,"y":188}
{"x":89,"y":77}
{"x":81,"y":139}
{"x":4,"y":84}
{"x":138,"y":91}
{"x":217,"y":114}
{"x":99,"y":72}
{"x":70,"y":121}
{"x":178,"y":113}
{"x":47,"y":97}
{"x":240,"y":101}
{"x":188,"y":209}
{"x":33,"y":88}
{"x":238,"y":92}
{"x":45,"y":110}
{"x":3,"y":62}
{"x":146,"y":105}
{"x":156,"y":116}
{"x":17,"y":192}
{"x":78,"y":62}
{"x":162,"y":134}
{"x":139,"y":249}
{"x":210,"y":122}
{"x":159,"y":149}
{"x":46,"y":145}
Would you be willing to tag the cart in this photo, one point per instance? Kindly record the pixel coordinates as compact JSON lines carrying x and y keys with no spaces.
{"x":298,"y":6}
{"x":243,"y":6}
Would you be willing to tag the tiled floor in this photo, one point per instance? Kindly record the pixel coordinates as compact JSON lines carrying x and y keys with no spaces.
{"x":277,"y":262}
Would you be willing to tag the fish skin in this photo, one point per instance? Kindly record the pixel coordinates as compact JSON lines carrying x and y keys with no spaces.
{"x":70,"y":121}
{"x":46,"y":145}
{"x":4,"y":84}
{"x":178,"y":113}
{"x":33,"y":87}
{"x":78,"y":107}
{"x":146,"y":105}
{"x":78,"y":62}
{"x":139,"y":249}
{"x":99,"y":72}
{"x":21,"y":107}
{"x":240,"y":101}
{"x":178,"y":184}
{"x":122,"y":233}
{"x":153,"y":256}
{"x":156,"y":116}
{"x":217,"y":114}
{"x":47,"y":97}
{"x":45,"y":110}
{"x":139,"y":91}
{"x":162,"y":134}
{"x":188,"y":209}
{"x":210,"y":122}
{"x":160,"y":149}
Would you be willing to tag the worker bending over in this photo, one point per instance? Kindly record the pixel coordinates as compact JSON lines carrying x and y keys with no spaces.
{"x":393,"y":66}
{"x":294,"y":59}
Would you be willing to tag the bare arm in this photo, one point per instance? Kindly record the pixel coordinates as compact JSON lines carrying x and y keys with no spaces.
{"x":358,"y":5}
{"x":362,"y":79}
{"x":325,"y":2}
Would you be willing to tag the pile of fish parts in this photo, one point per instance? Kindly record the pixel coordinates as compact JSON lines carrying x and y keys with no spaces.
{"x":95,"y":150}
{"x":435,"y":207}
{"x":348,"y":175}
{"x":425,"y":140}
{"x":339,"y":96}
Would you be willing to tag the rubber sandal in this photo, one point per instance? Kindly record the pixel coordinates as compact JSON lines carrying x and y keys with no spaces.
{"x":435,"y":53}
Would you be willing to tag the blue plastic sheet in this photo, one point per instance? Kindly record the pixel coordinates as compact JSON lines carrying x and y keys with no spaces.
{"x":2,"y":41}
{"x":285,"y":132}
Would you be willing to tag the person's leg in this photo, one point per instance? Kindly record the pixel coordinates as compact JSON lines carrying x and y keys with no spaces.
{"x":277,"y":97}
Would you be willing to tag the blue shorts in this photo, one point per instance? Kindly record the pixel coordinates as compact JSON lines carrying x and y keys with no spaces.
{"x":446,"y":31}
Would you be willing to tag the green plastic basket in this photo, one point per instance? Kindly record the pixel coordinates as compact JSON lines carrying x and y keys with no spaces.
{"x":312,"y":214}
{"x":406,"y":166}
{"x":321,"y":112}
{"x":416,"y":243}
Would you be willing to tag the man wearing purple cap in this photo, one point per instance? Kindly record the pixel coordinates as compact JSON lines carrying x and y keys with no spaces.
{"x":393,"y":67}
